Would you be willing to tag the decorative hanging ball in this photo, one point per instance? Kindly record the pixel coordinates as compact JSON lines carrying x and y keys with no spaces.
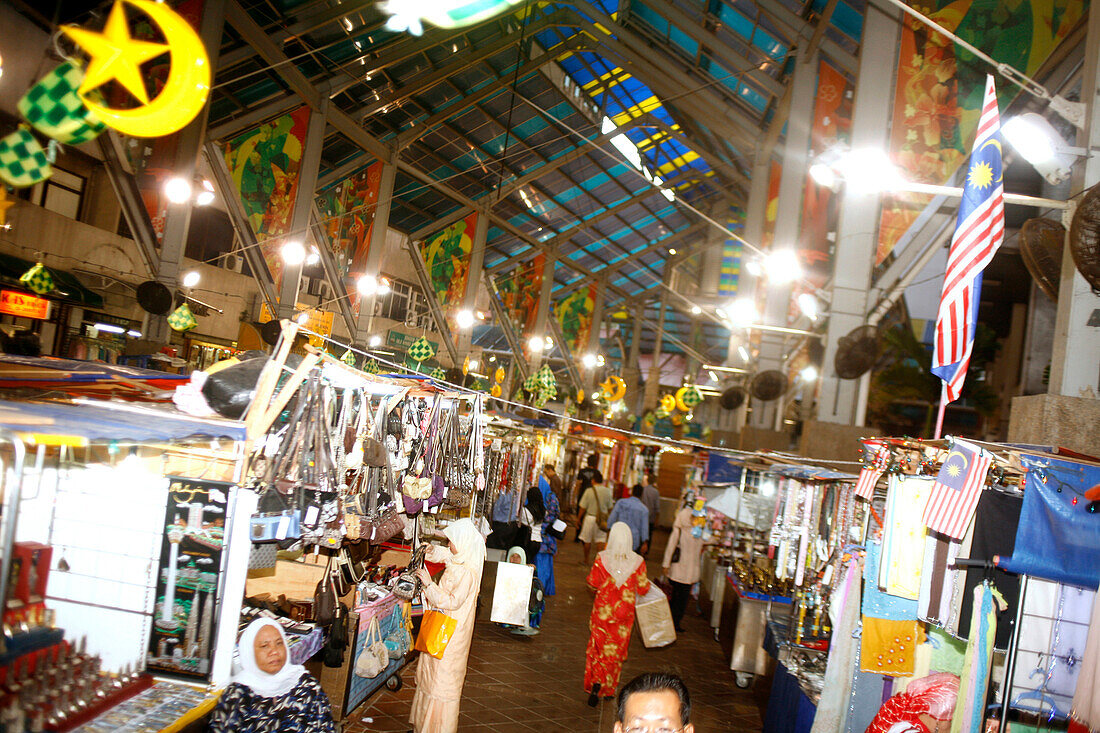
{"x":466,"y":366}
{"x":668,"y":403}
{"x":421,"y":350}
{"x":53,"y":107}
{"x":348,"y":357}
{"x":495,"y":390}
{"x":182,"y":319}
{"x":23,"y":160}
{"x":38,"y":279}
{"x":115,"y":55}
{"x":499,"y":375}
{"x":438,"y":374}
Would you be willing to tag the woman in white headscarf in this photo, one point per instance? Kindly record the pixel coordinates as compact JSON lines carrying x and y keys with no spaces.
{"x":270,"y":693}
{"x":618,"y":576}
{"x":439,"y":681}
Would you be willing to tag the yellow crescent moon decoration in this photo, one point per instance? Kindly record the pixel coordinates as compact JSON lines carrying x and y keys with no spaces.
{"x":614,"y":388}
{"x":680,"y":399}
{"x":966,"y":463}
{"x":115,"y":55}
{"x":668,"y":403}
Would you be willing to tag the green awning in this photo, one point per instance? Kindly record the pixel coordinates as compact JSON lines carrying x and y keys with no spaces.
{"x":67,"y":287}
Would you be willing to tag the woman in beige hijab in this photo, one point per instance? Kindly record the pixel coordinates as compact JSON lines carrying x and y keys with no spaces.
{"x":618,"y":576}
{"x":439,"y":681}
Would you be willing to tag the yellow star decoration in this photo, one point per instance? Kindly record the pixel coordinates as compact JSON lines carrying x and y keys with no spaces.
{"x":115,"y":55}
{"x":981,"y":175}
{"x":5,"y":204}
{"x":953,"y":470}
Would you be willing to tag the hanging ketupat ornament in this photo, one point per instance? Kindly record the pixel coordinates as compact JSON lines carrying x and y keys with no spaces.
{"x":687,"y":397}
{"x":53,"y":107}
{"x":38,"y":279}
{"x":668,"y":404}
{"x":23,"y":160}
{"x":406,"y":15}
{"x":371,"y":367}
{"x":115,"y":55}
{"x":348,"y":358}
{"x":182,"y":319}
{"x":421,"y":350}
{"x":438,"y":374}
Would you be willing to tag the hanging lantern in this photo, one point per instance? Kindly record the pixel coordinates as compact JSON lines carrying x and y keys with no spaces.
{"x":421,"y":350}
{"x":499,"y":375}
{"x":115,"y":55}
{"x":668,"y":403}
{"x":38,"y":279}
{"x":182,"y":319}
{"x":54,"y":107}
{"x":23,"y":161}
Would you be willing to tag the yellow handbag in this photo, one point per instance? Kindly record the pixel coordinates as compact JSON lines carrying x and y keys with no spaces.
{"x":436,"y":629}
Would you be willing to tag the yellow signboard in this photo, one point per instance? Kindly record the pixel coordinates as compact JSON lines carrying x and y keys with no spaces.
{"x":23,"y":305}
{"x":319,"y":322}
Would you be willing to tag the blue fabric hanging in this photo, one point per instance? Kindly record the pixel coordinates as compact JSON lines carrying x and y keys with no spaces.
{"x":1058,"y":539}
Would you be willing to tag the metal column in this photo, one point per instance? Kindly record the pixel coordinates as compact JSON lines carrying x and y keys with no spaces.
{"x":303,"y":207}
{"x":544,"y":309}
{"x":473,"y":279}
{"x":1073,"y":367}
{"x":791,"y":185}
{"x":857,"y":230}
{"x":380,"y":225}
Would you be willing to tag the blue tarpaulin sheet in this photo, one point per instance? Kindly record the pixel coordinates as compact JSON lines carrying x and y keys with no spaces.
{"x":723,"y":469}
{"x":108,"y":421}
{"x":1058,"y":537}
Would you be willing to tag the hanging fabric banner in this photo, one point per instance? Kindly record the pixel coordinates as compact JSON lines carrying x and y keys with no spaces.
{"x":520,"y":290}
{"x":574,"y":314}
{"x":1058,"y":537}
{"x":731,"y":268}
{"x":264,"y":164}
{"x":938,"y":96}
{"x":447,"y":258}
{"x":348,"y":213}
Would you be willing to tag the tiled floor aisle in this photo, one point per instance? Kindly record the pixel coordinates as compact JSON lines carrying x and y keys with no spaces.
{"x":517,"y":684}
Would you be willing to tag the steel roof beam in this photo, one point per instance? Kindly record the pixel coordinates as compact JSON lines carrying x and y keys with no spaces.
{"x":719,"y":50}
{"x":282,"y":34}
{"x":794,"y":27}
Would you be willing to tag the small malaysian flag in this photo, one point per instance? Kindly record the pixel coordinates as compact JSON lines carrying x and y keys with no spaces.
{"x":868,"y":478}
{"x":957,"y":488}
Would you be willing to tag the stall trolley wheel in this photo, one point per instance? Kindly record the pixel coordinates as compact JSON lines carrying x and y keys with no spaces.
{"x":394,"y":683}
{"x":743,"y":679}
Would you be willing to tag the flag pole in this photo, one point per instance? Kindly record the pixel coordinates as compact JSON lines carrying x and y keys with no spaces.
{"x":939,"y":417}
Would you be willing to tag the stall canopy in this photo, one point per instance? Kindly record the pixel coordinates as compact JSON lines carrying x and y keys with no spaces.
{"x":93,"y":421}
{"x":82,"y":377}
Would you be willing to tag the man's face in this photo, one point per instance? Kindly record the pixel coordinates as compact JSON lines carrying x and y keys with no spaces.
{"x":652,"y":712}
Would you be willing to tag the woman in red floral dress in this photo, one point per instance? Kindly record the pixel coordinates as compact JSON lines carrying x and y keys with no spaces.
{"x":617,"y":576}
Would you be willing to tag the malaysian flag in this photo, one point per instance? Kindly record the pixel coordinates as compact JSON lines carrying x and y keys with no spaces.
{"x":957,"y":488}
{"x":978,"y":234}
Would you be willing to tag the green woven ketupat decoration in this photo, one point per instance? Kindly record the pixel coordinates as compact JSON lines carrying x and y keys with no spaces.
{"x":661,"y":413}
{"x":182,"y":319}
{"x":477,"y":385}
{"x":421,"y":350}
{"x":371,"y":367}
{"x":348,"y":358}
{"x":38,"y":279}
{"x":439,"y":374}
{"x":692,"y":397}
{"x":531,"y":384}
{"x":546,"y":378}
{"x":54,"y":107}
{"x":22,"y":160}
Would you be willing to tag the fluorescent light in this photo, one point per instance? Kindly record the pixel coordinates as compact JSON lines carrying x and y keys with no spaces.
{"x":191,"y":279}
{"x":720,"y":368}
{"x":743,"y":353}
{"x":313,"y":257}
{"x":809,"y":305}
{"x":742,"y":312}
{"x":375,"y":341}
{"x":109,"y":328}
{"x":133,"y":334}
{"x":177,"y":190}
{"x":713,"y":376}
{"x":204,"y":198}
{"x":293,"y":253}
{"x":782,"y":265}
{"x":383,"y":286}
{"x":464,"y":319}
{"x":753,"y":267}
{"x":1029,"y":136}
{"x":672,"y":250}
{"x":472,"y":365}
{"x":367,"y":285}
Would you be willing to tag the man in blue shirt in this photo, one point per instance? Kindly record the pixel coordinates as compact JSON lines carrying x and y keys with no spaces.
{"x":634,"y":513}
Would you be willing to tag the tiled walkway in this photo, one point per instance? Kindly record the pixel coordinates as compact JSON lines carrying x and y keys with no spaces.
{"x":516,"y":684}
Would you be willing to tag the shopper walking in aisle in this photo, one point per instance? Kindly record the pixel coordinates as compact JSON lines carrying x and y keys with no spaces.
{"x":681,"y":564}
{"x":548,"y":545}
{"x":651,"y":497}
{"x":270,"y":693}
{"x":634,"y":513}
{"x":439,"y":681}
{"x":592,"y":520}
{"x":586,"y":477}
{"x":617,"y":577}
{"x":551,"y":475}
{"x":654,"y":701}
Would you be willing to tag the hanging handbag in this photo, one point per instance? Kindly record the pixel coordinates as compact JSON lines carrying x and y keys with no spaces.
{"x":408,"y":585}
{"x":324,"y":598}
{"x":374,"y":658}
{"x":400,"y":640}
{"x":337,"y":639}
{"x":436,"y":629}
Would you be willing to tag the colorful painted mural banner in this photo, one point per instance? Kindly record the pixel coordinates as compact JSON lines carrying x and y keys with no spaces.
{"x":574,"y":316}
{"x":265,"y":165}
{"x":939,"y":89}
{"x":447,"y":259}
{"x":520,"y":290}
{"x":347,"y":213}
